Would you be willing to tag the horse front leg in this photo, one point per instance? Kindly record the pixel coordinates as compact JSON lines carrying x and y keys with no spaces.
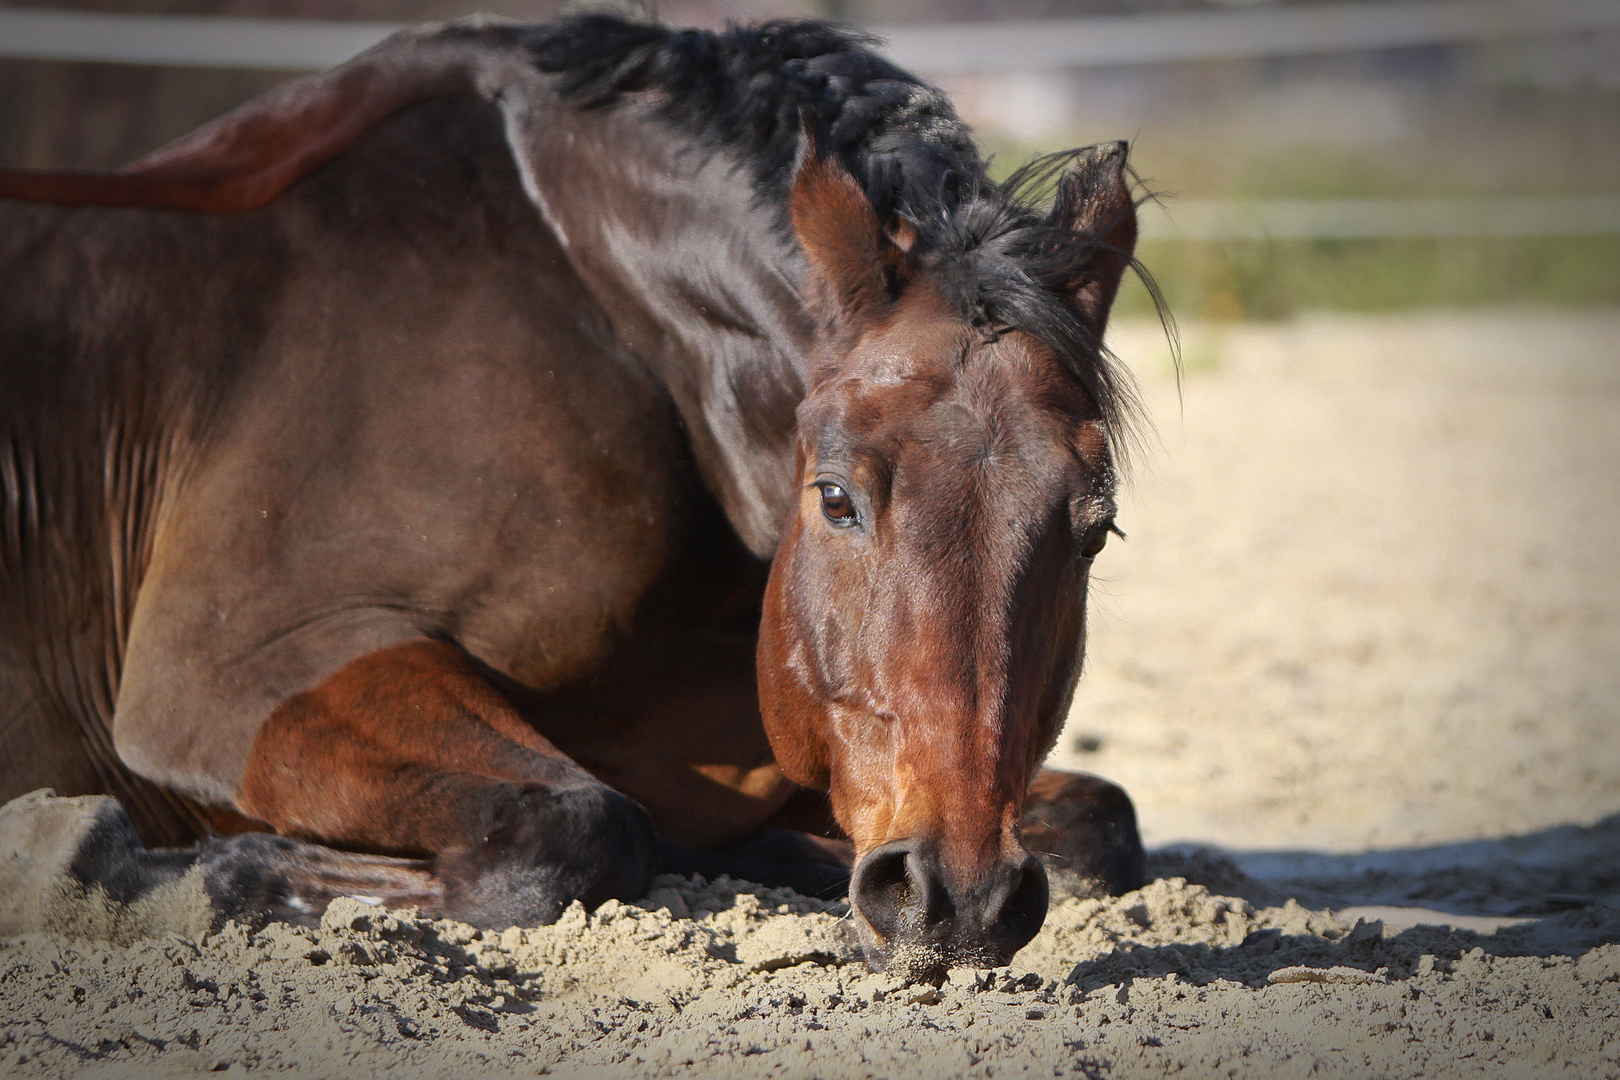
{"x":409,"y":751}
{"x":1084,"y":829}
{"x":1081,"y":826}
{"x":799,"y":847}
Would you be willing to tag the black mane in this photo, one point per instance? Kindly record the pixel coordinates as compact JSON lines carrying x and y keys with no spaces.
{"x":746,"y":90}
{"x":743,"y":90}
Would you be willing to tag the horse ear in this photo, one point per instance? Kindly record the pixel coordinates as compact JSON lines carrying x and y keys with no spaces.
{"x":1094,"y":200}
{"x":855,"y":262}
{"x":246,"y":158}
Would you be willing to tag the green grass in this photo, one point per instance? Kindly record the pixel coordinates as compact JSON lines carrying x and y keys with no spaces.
{"x":1275,"y":279}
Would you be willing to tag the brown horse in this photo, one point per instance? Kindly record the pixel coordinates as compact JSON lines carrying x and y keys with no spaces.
{"x":523,"y":458}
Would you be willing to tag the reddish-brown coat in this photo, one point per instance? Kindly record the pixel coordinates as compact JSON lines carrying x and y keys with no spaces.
{"x":375,"y":755}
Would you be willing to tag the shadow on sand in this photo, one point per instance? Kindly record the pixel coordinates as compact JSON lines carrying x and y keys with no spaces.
{"x":1393,"y":913}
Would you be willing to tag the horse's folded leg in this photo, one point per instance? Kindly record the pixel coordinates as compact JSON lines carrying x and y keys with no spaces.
{"x":255,"y":876}
{"x":812,"y":865}
{"x":410,"y":750}
{"x":1084,"y":828}
{"x":542,"y":847}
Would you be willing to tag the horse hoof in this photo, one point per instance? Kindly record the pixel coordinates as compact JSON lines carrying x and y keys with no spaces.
{"x":53,"y":847}
{"x":545,"y":848}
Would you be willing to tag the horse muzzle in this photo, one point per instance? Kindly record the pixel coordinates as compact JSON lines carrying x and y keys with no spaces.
{"x":917,"y":921}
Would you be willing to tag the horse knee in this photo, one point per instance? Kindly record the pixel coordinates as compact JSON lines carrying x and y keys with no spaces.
{"x":543,"y":848}
{"x":604,"y":841}
{"x":530,"y":851}
{"x":1085,"y":829}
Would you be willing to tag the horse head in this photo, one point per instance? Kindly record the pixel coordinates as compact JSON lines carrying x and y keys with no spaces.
{"x":924,"y":621}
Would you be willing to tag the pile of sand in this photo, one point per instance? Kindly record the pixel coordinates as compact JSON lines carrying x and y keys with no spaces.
{"x":722,"y":979}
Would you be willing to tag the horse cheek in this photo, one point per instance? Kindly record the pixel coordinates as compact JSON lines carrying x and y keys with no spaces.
{"x":794,"y":721}
{"x":1063,"y":670}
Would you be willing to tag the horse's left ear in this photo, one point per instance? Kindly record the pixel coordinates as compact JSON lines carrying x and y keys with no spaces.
{"x":1094,"y":200}
{"x":855,"y":262}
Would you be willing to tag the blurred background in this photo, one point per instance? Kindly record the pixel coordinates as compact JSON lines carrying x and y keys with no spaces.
{"x":1369,"y":600}
{"x":1503,"y":116}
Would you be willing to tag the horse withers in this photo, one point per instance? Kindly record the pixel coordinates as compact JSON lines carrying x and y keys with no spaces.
{"x":527,"y":457}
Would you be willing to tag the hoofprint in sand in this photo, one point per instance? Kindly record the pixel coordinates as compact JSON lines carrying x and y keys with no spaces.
{"x":1364,"y":636}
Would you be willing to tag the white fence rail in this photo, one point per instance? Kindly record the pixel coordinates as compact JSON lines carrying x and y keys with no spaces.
{"x":302,"y":45}
{"x":1294,"y":31}
{"x":185,"y":41}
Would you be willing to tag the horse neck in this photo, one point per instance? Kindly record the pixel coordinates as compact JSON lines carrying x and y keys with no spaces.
{"x":694,"y":275}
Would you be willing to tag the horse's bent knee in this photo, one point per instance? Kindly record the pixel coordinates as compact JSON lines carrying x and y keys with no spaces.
{"x":1085,"y":828}
{"x":543,"y":848}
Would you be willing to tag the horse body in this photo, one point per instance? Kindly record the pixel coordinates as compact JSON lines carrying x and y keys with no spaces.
{"x":426,"y":506}
{"x":330,"y":480}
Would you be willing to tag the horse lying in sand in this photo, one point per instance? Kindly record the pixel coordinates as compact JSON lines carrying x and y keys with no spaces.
{"x":525,"y":458}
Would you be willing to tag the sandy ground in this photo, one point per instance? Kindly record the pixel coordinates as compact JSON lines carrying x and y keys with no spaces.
{"x":1369,"y":597}
{"x":1359,"y":664}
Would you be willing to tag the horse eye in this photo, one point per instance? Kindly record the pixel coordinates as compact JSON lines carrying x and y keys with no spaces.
{"x":837,"y":505}
{"x":1098,"y":540}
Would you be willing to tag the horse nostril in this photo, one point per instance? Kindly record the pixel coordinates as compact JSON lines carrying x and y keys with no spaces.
{"x":901,"y":894}
{"x":894,"y":891}
{"x":1024,"y":909}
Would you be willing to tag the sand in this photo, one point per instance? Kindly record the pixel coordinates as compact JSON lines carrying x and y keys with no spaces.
{"x":1359,"y":664}
{"x":721,"y":979}
{"x":1369,"y":598}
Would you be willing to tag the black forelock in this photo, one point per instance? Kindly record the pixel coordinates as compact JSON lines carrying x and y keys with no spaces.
{"x":746,"y":91}
{"x":999,"y":259}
